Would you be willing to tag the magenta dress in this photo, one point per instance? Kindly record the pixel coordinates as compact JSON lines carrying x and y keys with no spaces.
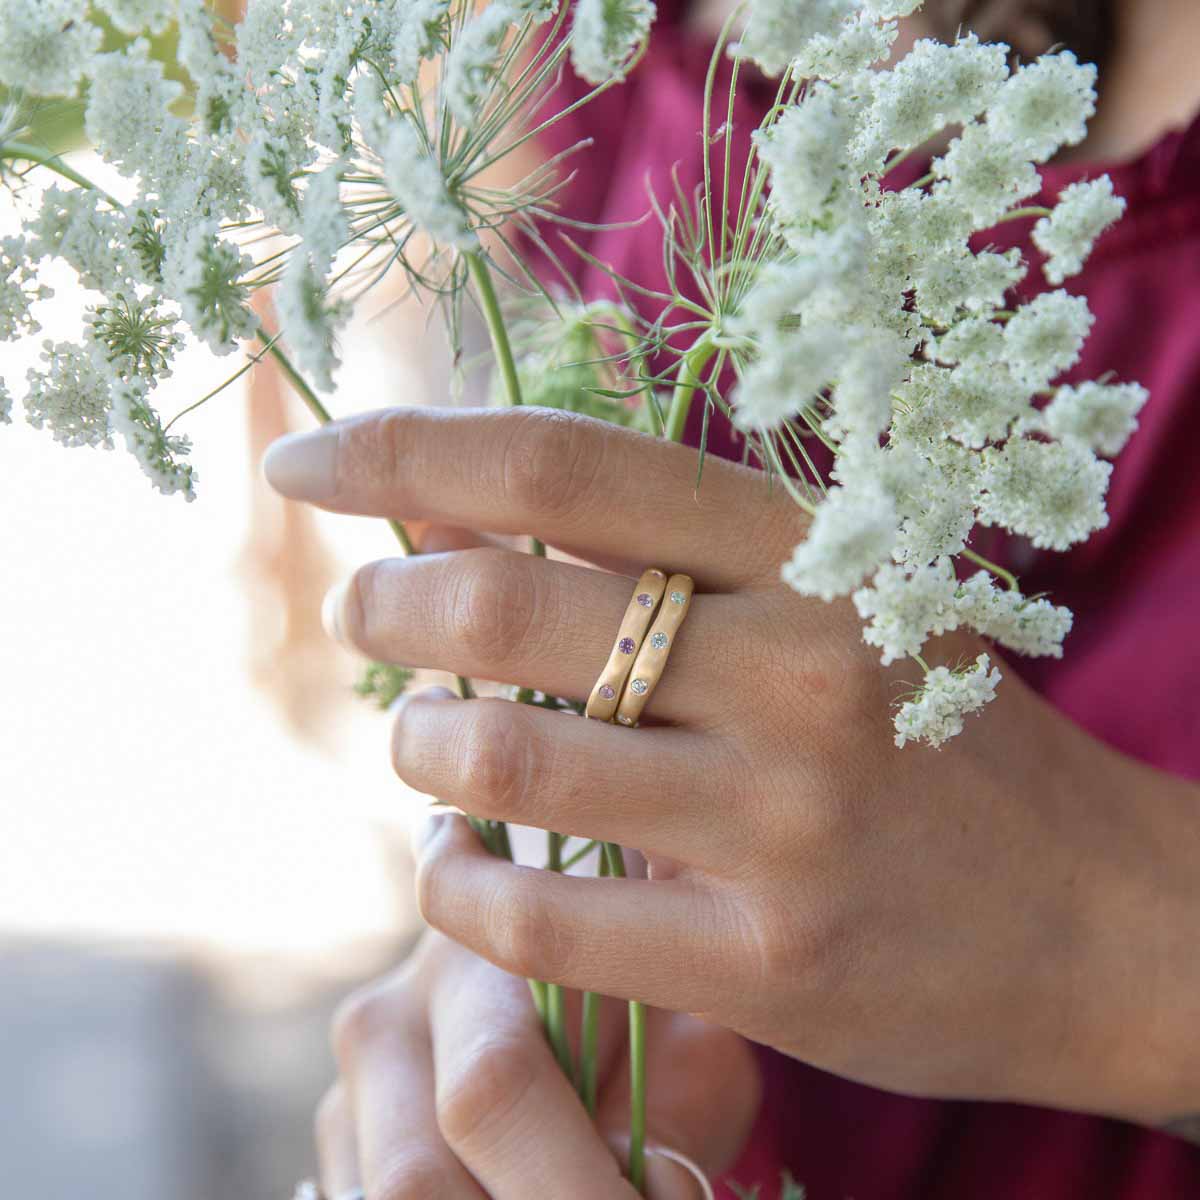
{"x":1131,"y":674}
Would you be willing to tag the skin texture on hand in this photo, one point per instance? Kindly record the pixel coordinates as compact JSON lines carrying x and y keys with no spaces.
{"x":1008,"y":918}
{"x":448,"y":1088}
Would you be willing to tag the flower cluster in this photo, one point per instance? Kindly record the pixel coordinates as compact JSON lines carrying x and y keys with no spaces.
{"x":312,"y":148}
{"x":320,"y":145}
{"x":872,"y":324}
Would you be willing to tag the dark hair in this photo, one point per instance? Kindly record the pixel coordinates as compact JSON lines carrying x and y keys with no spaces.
{"x":1087,"y":27}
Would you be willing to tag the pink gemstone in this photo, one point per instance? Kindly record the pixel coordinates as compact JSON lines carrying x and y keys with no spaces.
{"x":627,"y":645}
{"x":645,"y":600}
{"x":606,"y":692}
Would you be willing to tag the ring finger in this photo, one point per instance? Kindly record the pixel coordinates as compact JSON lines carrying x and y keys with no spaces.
{"x":516,"y":618}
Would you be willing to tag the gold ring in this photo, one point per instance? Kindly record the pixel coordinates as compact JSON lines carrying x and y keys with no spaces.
{"x":652,"y":658}
{"x":602,"y":703}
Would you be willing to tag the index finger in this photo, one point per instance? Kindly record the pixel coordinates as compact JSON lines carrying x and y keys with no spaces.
{"x":582,"y":484}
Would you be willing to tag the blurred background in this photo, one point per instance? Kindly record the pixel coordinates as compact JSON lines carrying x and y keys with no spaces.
{"x":203,"y":844}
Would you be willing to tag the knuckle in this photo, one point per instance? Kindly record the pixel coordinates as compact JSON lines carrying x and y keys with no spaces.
{"x":411,"y":1174}
{"x":789,"y":943}
{"x":494,"y":604}
{"x":359,"y":1019}
{"x":482,"y":1096}
{"x":329,"y":1115}
{"x":529,"y":941}
{"x":551,"y":461}
{"x":494,"y":761}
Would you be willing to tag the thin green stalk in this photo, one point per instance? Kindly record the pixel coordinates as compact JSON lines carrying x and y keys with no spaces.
{"x":589,"y":1033}
{"x":1010,"y":580}
{"x":637,"y":1057}
{"x":318,"y":410}
{"x":53,"y":162}
{"x":556,"y":1006}
{"x":489,"y":302}
{"x":687,"y":380}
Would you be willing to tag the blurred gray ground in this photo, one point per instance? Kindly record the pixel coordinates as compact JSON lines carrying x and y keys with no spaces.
{"x":142,"y":1076}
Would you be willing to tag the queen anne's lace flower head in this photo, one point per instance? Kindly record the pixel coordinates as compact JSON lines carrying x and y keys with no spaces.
{"x":604,"y":35}
{"x":157,"y":452}
{"x":1083,"y":212}
{"x":1045,"y":105}
{"x":1052,"y":492}
{"x":852,"y":533}
{"x":46,"y":46}
{"x":906,"y":609}
{"x":71,"y":397}
{"x":420,"y":188}
{"x":1103,"y":416}
{"x":19,"y":290}
{"x":935,"y":714}
{"x":136,"y":16}
{"x":6,"y":404}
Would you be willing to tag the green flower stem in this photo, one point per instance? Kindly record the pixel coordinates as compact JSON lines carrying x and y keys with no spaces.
{"x":313,"y":403}
{"x":42,"y":157}
{"x":589,"y":1034}
{"x":637,"y":1057}
{"x":489,"y":302}
{"x":1009,"y":579}
{"x":556,"y":1005}
{"x":687,"y":380}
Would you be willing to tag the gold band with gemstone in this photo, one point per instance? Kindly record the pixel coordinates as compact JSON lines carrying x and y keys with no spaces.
{"x":651,"y":659}
{"x":602,"y":703}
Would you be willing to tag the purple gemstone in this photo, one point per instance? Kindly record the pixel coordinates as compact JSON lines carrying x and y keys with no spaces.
{"x":627,"y":645}
{"x":606,"y":692}
{"x":645,"y":600}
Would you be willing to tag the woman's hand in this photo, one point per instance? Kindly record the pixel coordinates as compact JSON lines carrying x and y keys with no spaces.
{"x":448,"y":1089}
{"x":1011,"y":917}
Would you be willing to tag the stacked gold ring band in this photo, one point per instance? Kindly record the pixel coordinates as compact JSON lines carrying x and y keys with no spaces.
{"x":644,"y":641}
{"x":602,"y":703}
{"x":651,"y":659}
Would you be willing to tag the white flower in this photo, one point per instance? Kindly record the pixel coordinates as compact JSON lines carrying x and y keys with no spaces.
{"x":77,"y":226}
{"x":1052,"y":492}
{"x":134,"y":16}
{"x":419,"y":33}
{"x":987,"y":174}
{"x":46,"y":45}
{"x":933,"y":86}
{"x":777,"y":31}
{"x":1046,"y":336}
{"x":1083,"y":212}
{"x":204,"y":274}
{"x":1045,"y":105}
{"x":957,"y":281}
{"x":127,"y":115}
{"x":887,"y":10}
{"x":19,"y":290}
{"x":935,"y":714}
{"x":325,"y":228}
{"x":157,"y":452}
{"x":873,"y":365}
{"x":71,"y":397}
{"x":806,"y":153}
{"x":1033,"y":627}
{"x":976,"y":402}
{"x":605,"y":34}
{"x":132,"y":338}
{"x":789,"y":373}
{"x":311,"y":320}
{"x":416,"y":181}
{"x":474,"y":59}
{"x":851,"y":535}
{"x":975,"y":338}
{"x":861,"y":42}
{"x":1101,"y":415}
{"x":905,"y":608}
{"x":6,"y":404}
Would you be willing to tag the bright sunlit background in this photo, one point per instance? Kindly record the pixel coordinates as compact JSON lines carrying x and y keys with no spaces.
{"x":186,"y":881}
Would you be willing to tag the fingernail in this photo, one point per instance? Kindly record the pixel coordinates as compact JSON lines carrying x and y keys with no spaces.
{"x":302,"y":465}
{"x":672,"y":1176}
{"x":332,"y":608}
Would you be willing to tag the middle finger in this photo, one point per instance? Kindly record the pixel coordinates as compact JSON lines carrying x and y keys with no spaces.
{"x":516,"y":618}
